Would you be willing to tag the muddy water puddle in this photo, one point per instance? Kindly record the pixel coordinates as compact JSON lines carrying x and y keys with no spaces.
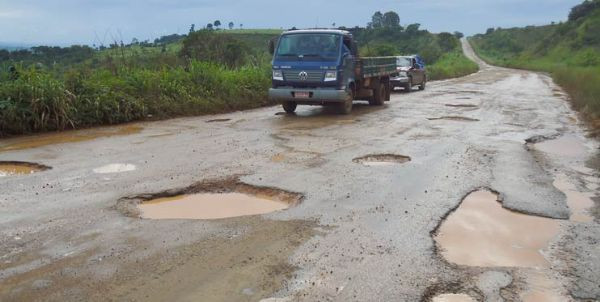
{"x":567,"y":145}
{"x":483,"y":233}
{"x":71,"y":136}
{"x":209,"y":206}
{"x":10,"y":168}
{"x":578,"y":202}
{"x":115,"y":168}
{"x":382,"y":159}
{"x":453,"y":298}
{"x":454,"y":118}
{"x":541,"y":288}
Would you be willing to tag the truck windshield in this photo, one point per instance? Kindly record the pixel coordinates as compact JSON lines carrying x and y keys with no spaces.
{"x":308,"y":47}
{"x":403,"y":62}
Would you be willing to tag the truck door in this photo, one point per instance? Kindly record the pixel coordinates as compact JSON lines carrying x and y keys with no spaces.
{"x":416,"y":72}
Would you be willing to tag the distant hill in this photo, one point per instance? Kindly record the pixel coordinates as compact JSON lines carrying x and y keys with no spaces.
{"x":13,"y":46}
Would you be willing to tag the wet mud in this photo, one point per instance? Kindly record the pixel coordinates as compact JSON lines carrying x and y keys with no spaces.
{"x":219,"y":120}
{"x":212,"y":199}
{"x":381,"y":159}
{"x":10,"y":168}
{"x":567,"y":146}
{"x":579,"y":202}
{"x":71,"y":136}
{"x":454,"y":118}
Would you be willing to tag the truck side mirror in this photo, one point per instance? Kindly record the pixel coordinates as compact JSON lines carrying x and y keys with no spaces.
{"x":272,"y":46}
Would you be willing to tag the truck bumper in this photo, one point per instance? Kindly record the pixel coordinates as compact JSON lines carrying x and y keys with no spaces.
{"x":316,"y":96}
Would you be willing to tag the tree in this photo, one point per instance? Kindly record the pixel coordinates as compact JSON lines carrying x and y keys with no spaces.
{"x":447,"y":41}
{"x":489,"y":31}
{"x":217,"y":24}
{"x":209,"y":26}
{"x":413,"y":28}
{"x":377,"y":20}
{"x":193,"y":28}
{"x":458,"y":35}
{"x":583,"y":9}
{"x":391,"y":19}
{"x":241,"y":26}
{"x":231,"y":25}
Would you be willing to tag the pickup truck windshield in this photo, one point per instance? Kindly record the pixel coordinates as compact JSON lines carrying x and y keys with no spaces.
{"x":309,"y":47}
{"x":403,"y":62}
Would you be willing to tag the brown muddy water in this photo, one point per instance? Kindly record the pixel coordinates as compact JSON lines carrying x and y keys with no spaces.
{"x":73,"y":136}
{"x":567,"y":145}
{"x":453,"y":298}
{"x":483,"y":233}
{"x":578,"y":202}
{"x":210,"y":206}
{"x":20,"y":168}
{"x":382,"y":159}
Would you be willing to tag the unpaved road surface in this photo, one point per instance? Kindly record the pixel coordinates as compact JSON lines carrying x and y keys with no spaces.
{"x":361,"y":232}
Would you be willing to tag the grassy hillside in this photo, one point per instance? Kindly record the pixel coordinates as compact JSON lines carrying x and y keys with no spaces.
{"x":570,"y":51}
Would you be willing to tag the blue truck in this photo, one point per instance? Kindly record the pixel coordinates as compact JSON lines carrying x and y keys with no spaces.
{"x":322,"y":67}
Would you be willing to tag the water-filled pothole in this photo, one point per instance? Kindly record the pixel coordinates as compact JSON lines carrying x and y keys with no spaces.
{"x":454,"y":118}
{"x":381,"y":159}
{"x":483,"y":233}
{"x":210,"y":200}
{"x":579,"y":202}
{"x":567,"y":145}
{"x":115,"y":168}
{"x":8,"y":168}
{"x":453,"y":298}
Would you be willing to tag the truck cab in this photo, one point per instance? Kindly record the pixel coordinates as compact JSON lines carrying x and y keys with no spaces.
{"x":321,"y":67}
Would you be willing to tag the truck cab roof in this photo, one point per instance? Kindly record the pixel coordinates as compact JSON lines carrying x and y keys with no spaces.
{"x":317,"y":31}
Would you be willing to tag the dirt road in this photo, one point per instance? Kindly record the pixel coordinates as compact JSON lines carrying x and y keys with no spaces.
{"x":365,"y":223}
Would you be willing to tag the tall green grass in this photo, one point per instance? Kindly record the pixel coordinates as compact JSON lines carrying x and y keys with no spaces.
{"x":451,"y":65}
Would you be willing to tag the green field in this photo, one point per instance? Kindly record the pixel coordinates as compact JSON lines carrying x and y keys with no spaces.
{"x":570,"y":51}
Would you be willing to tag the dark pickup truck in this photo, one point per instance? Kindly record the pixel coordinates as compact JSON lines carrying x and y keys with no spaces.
{"x":411,"y":72}
{"x":322,"y":67}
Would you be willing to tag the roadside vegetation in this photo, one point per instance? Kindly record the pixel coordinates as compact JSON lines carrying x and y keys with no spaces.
{"x":570,"y":51}
{"x":207,"y":71}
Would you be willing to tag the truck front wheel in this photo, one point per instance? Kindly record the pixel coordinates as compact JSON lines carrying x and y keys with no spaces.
{"x":345,"y":107}
{"x":289,"y":107}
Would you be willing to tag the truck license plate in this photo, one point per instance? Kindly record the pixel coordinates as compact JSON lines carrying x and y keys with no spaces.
{"x":302,"y":95}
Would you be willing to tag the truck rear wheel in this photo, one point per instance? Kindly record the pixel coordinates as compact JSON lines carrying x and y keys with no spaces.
{"x":378,"y":95}
{"x":289,"y":107}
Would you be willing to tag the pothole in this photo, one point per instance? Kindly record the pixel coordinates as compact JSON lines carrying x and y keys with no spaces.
{"x":71,"y":136}
{"x":219,"y":120}
{"x":454,"y":118}
{"x":578,"y":202}
{"x":381,"y":159}
{"x":462,"y":105}
{"x":566,"y":145}
{"x":483,"y":233}
{"x":115,"y":168}
{"x":9,"y":168}
{"x":210,"y":200}
{"x":453,"y":298}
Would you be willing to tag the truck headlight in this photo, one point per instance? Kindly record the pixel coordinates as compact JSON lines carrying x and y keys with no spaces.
{"x":278,"y":75}
{"x":330,"y":76}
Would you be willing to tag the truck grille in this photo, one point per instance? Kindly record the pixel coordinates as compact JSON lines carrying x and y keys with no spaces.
{"x":311,"y":76}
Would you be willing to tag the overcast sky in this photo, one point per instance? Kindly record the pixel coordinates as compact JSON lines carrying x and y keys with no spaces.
{"x":65,"y":22}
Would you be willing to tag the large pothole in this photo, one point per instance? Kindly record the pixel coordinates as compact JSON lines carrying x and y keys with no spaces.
{"x":382,"y":159}
{"x":453,"y":298}
{"x":564,"y":146}
{"x":208,"y":200}
{"x":483,"y":233}
{"x":9,"y":168}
